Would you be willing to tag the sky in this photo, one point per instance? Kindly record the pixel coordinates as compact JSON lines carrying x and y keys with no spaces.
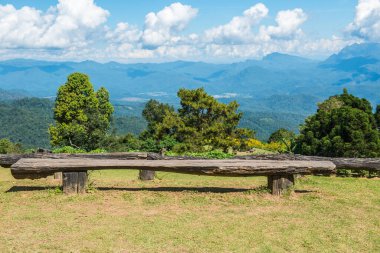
{"x":197,"y":30}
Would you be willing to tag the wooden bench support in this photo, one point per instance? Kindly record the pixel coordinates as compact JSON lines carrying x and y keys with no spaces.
{"x":146,"y":175}
{"x":277,"y":184}
{"x":74,"y":182}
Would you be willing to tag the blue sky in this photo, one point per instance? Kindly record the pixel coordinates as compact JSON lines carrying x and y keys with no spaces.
{"x":154,"y":31}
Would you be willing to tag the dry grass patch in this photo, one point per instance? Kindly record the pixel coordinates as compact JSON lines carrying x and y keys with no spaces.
{"x":184,"y":213}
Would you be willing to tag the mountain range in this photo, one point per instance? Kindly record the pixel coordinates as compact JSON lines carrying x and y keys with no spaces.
{"x":279,"y":85}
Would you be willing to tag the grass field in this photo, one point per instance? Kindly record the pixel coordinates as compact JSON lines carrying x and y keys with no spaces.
{"x":184,"y":213}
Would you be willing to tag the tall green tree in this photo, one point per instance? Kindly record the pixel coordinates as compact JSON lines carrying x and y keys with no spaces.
{"x":82,"y":116}
{"x":200,"y":123}
{"x":208,"y":122}
{"x":154,"y":113}
{"x":344,"y":126}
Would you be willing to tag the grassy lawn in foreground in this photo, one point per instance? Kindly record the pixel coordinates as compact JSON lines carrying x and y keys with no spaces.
{"x":185,"y":213}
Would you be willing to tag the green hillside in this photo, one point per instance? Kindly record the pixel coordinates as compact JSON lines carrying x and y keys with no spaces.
{"x":26,"y":121}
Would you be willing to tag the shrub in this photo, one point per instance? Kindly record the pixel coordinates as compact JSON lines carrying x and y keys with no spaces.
{"x":214,"y":154}
{"x":273,"y":146}
{"x":7,"y":147}
{"x":68,"y":150}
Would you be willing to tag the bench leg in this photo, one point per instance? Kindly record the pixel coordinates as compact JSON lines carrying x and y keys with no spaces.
{"x":280,"y":183}
{"x":74,"y":182}
{"x":145,"y":175}
{"x":82,"y":182}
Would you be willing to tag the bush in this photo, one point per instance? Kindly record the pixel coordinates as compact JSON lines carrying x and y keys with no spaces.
{"x":126,"y":143}
{"x":98,"y":151}
{"x":215,"y":154}
{"x":343,"y":126}
{"x":7,"y":147}
{"x":150,"y":145}
{"x":68,"y":150}
{"x":273,"y":146}
{"x":168,"y":143}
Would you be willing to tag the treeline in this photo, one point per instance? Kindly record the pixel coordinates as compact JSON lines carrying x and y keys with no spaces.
{"x":26,"y":121}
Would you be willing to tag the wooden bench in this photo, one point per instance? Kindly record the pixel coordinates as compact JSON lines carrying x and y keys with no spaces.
{"x":280,"y":173}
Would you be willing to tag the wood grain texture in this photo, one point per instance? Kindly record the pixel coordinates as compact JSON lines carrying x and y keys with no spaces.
{"x":70,"y":182}
{"x":82,"y":181}
{"x":74,"y":182}
{"x":231,"y":167}
{"x":370,"y":164}
{"x":277,"y":184}
{"x":7,"y":161}
{"x":147,"y":175}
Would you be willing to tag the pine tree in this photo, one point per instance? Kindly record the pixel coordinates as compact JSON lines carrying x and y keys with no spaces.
{"x":82,"y":115}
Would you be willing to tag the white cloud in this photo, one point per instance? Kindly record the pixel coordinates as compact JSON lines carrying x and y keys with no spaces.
{"x":301,"y":46}
{"x":83,"y":13}
{"x":78,"y":29}
{"x":239,"y":29}
{"x":124,"y":33}
{"x":66,"y":25}
{"x":160,"y":27}
{"x":238,"y":39}
{"x":366,"y":24}
{"x":178,"y":51}
{"x":288,"y":25}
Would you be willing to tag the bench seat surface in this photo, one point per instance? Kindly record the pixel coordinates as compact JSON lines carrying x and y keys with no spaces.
{"x":231,"y":167}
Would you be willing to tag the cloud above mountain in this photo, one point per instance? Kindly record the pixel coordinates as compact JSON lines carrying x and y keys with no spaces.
{"x":69,"y":24}
{"x":161,"y":27}
{"x":239,"y":29}
{"x":288,"y":25}
{"x":366,"y":24}
{"x":80,"y":29}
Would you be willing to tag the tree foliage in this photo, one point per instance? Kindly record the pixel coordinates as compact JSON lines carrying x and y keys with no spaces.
{"x":155,"y":113}
{"x":8,"y":147}
{"x":281,"y":135}
{"x":284,"y":137}
{"x":82,"y":115}
{"x":200,"y":123}
{"x":344,"y":126}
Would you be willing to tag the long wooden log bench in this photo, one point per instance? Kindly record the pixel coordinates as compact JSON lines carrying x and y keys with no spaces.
{"x":370,"y":164}
{"x":280,"y":173}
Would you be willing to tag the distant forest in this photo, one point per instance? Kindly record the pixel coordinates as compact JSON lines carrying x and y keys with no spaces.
{"x":26,"y":121}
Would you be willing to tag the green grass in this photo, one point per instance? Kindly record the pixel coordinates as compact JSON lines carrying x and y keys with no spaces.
{"x":184,"y":213}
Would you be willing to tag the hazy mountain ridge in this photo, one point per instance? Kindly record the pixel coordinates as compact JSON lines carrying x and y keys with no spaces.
{"x":12,"y":94}
{"x":356,"y":67}
{"x":278,"y":91}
